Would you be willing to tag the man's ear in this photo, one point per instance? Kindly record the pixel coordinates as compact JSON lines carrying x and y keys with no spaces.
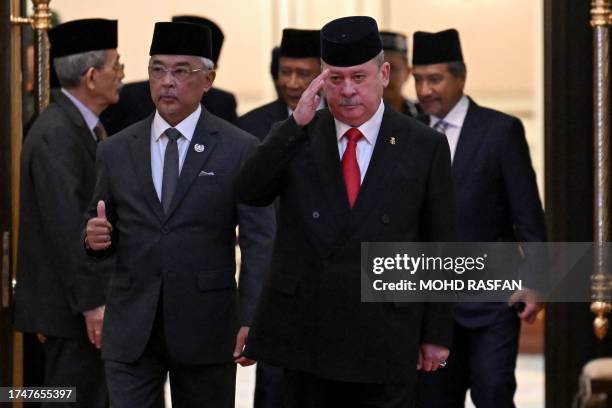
{"x":88,"y":77}
{"x":210,"y":78}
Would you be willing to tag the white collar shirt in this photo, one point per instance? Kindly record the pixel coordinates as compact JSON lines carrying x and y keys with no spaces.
{"x":91,"y":119}
{"x":454,"y":121}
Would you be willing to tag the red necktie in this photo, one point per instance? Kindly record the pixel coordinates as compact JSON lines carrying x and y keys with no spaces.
{"x":350,"y":167}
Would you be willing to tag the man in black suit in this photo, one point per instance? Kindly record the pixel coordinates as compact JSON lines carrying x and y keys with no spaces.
{"x":395,"y":46}
{"x":356,"y":172}
{"x":497,"y":200}
{"x":58,"y":296}
{"x":136,"y":104}
{"x":298,"y":65}
{"x":165,"y":205}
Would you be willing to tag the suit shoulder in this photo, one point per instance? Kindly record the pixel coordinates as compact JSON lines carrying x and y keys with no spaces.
{"x":53,"y":121}
{"x":493,"y":115}
{"x":257,"y":113}
{"x":221,"y":94}
{"x":231,"y":131}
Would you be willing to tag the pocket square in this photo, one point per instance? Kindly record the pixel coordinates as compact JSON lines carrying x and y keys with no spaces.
{"x":206,"y":173}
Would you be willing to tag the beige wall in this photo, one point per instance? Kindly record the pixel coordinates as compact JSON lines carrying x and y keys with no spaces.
{"x":502,"y":42}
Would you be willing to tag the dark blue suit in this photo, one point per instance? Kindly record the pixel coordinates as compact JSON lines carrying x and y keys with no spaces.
{"x":497,"y":200}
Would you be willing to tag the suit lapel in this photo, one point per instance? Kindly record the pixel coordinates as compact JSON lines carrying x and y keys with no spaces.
{"x":469,"y":140}
{"x":381,"y":166}
{"x":140,"y":149}
{"x":206,"y":134}
{"x":85,"y":135}
{"x":325,"y":149}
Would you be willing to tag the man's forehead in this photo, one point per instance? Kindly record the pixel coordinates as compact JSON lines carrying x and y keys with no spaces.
{"x":430,"y":69}
{"x":290,"y":61}
{"x":175,"y":59}
{"x":366,"y":66}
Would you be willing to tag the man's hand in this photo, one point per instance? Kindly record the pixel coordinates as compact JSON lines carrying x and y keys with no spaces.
{"x":93,"y":320}
{"x":99,"y":230}
{"x":432,"y":357}
{"x":241,"y":339}
{"x":307,"y":105}
{"x":531,"y":299}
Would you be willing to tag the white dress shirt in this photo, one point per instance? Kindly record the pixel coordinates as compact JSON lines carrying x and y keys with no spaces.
{"x":91,"y":119}
{"x":365,"y":145}
{"x":454,"y":120}
{"x":159,"y":141}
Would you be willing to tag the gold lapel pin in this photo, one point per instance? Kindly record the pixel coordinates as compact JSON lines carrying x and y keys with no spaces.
{"x":392,"y":140}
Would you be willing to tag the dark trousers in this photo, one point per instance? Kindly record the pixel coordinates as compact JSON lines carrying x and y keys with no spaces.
{"x":141,"y":383}
{"x":482,"y":360}
{"x":305,"y":390}
{"x":75,"y":363}
{"x":268,"y":386}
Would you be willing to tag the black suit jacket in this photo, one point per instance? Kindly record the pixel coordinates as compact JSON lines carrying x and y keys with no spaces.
{"x":135,"y":104}
{"x":310,"y":316}
{"x":185,"y":257}
{"x":55,"y":280}
{"x":259,"y":121}
{"x":496,"y":194}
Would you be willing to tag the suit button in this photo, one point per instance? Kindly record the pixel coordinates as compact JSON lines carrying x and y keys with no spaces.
{"x":385,"y":219}
{"x":316,"y":215}
{"x":165,"y":230}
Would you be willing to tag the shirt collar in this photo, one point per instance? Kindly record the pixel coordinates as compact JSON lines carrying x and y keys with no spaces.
{"x":91,"y":120}
{"x":186,"y":126}
{"x":456,"y":116}
{"x":368,"y":129}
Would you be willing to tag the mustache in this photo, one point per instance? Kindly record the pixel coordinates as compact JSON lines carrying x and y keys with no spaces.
{"x":349,"y":102}
{"x":167,"y":94}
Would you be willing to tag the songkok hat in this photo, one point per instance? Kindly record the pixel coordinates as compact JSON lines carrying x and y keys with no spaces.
{"x":392,"y":41}
{"x":300,"y":43}
{"x":350,"y":41}
{"x":435,"y":48}
{"x":181,"y":39}
{"x":77,"y":36}
{"x":217,"y":35}
{"x":274,"y":62}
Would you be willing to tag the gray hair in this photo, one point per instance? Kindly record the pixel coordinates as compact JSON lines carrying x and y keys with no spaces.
{"x":379,"y":59}
{"x":71,"y":68}
{"x":457,"y":68}
{"x":208,"y":64}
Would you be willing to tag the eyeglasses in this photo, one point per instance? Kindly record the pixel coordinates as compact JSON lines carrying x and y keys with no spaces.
{"x":180,"y":74}
{"x":118,"y":67}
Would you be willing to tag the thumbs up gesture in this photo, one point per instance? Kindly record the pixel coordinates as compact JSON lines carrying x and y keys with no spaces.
{"x":99,"y":230}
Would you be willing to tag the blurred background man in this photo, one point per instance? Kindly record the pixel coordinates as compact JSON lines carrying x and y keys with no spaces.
{"x":58,"y":296}
{"x":497,"y":201}
{"x":298,"y":65}
{"x":395,"y":46}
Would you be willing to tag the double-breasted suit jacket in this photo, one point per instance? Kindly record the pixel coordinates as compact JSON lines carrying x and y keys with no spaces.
{"x":310,"y":316}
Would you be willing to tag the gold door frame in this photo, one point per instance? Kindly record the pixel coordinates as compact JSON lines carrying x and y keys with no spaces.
{"x":40,"y":23}
{"x":601,"y":289}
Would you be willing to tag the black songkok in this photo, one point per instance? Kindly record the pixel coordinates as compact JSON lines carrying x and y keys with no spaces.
{"x":78,"y":36}
{"x":350,"y":41}
{"x":300,"y":43}
{"x":436,"y":48}
{"x":181,"y":39}
{"x":392,"y":41}
{"x":215,"y":30}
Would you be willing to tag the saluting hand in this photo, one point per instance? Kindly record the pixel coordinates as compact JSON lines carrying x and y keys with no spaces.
{"x":99,"y":230}
{"x":307,"y":105}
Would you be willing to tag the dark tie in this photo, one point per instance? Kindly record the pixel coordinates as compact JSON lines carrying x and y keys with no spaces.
{"x":171,"y":167}
{"x":350,"y":167}
{"x":441,"y":126}
{"x":100,"y":132}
